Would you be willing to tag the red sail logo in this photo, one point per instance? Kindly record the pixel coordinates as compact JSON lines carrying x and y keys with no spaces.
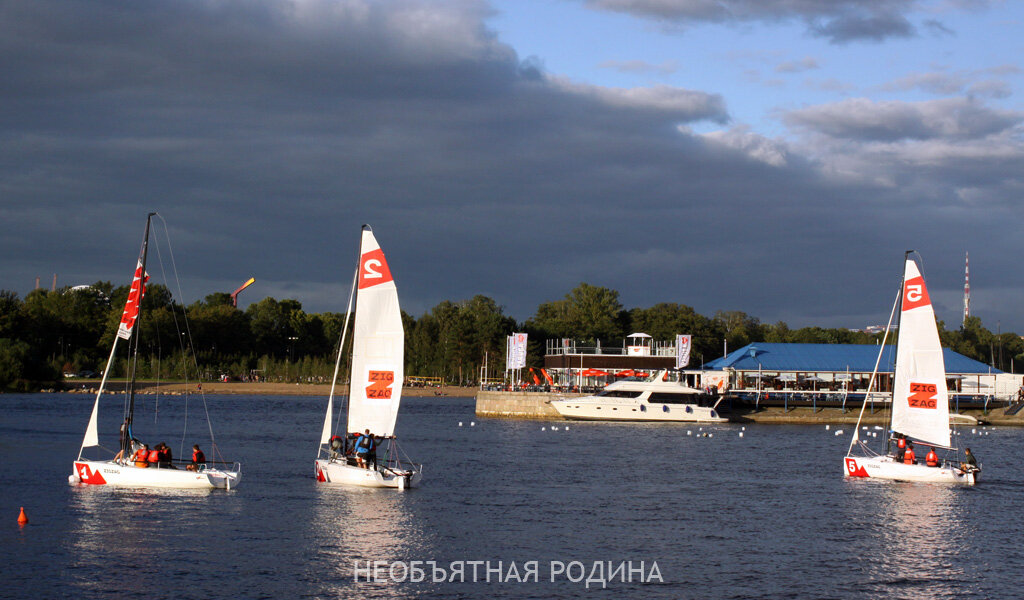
{"x":923,"y":395}
{"x":373,"y":269}
{"x":915,"y":294}
{"x":131,"y":307}
{"x":380,"y":385}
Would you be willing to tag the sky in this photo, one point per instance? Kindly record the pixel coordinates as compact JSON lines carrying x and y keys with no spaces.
{"x":775,"y":157}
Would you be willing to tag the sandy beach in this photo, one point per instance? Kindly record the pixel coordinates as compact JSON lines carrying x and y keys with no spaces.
{"x":255,"y":389}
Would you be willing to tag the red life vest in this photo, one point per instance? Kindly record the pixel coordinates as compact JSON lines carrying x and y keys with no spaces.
{"x":901,"y":443}
{"x":909,"y":458}
{"x":154,"y":456}
{"x":932,"y":460}
{"x":198,"y":456}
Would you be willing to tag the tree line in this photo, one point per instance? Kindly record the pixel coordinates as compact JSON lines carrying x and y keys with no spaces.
{"x":70,"y":331}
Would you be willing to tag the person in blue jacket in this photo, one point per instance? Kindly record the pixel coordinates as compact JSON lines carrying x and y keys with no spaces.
{"x":366,"y":448}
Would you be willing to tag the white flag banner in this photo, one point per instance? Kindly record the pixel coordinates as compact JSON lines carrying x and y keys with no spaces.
{"x":683,"y":343}
{"x":516,"y":355}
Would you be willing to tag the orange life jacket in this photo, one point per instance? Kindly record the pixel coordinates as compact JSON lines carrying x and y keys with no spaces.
{"x":198,"y":456}
{"x":140,"y":458}
{"x":909,"y":458}
{"x":154,"y":456}
{"x":932,"y":460}
{"x":901,"y":443}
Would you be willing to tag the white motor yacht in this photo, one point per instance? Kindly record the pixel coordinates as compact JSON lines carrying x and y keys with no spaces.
{"x":661,"y":397}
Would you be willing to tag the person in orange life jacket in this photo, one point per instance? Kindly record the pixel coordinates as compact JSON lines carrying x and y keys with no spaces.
{"x":198,"y":458}
{"x":154,"y":456}
{"x":164,"y":456}
{"x":909,"y":458}
{"x":932,"y":459}
{"x":901,"y":446}
{"x":365,"y":447}
{"x":142,"y":457}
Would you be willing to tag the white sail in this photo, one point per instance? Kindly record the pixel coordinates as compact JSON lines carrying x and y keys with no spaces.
{"x":920,"y":402}
{"x":378,"y":345}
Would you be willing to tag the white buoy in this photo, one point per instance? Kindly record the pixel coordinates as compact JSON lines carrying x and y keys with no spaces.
{"x":974,"y":431}
{"x":460,"y":423}
{"x":554,"y":429}
{"x":543,"y":428}
{"x":826,"y":427}
{"x":688,"y":432}
{"x":839,"y":432}
{"x":741,"y":434}
{"x":743,"y":428}
{"x":711,"y":435}
{"x":567,"y":428}
{"x":472,"y":423}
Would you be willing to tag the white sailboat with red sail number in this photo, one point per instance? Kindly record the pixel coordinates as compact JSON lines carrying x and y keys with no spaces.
{"x":121,"y":470}
{"x":920,"y":400}
{"x":375,"y":388}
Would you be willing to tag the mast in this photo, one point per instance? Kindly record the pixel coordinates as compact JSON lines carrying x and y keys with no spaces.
{"x":133,"y":344}
{"x":325,"y":435}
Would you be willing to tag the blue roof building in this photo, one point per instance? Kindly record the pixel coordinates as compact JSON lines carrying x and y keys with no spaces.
{"x":832,"y":358}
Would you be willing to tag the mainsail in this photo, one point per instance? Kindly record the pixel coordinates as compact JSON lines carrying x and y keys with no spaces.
{"x":378,"y":345}
{"x":920,"y":401}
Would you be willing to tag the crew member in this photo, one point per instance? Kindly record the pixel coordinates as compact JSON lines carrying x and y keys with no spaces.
{"x":141,"y":457}
{"x":198,"y":458}
{"x":153,"y":458}
{"x":901,"y":446}
{"x":909,"y":458}
{"x":932,"y":459}
{"x":164,"y":454}
{"x":970,"y":463}
{"x":364,"y":447}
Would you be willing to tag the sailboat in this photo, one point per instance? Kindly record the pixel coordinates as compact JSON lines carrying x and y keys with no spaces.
{"x":375,"y":385}
{"x":920,"y":400}
{"x":121,"y":470}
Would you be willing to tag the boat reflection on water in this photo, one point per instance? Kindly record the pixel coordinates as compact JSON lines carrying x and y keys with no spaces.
{"x":921,"y":537}
{"x":366,"y":525}
{"x":122,"y":533}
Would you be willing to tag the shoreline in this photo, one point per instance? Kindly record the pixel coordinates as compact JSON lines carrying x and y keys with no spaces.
{"x":250,"y":389}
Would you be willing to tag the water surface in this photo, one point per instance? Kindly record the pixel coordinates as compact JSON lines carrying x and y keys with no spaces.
{"x":766,"y":515}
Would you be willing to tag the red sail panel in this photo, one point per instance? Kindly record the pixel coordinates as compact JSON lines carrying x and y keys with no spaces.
{"x":131,"y":308}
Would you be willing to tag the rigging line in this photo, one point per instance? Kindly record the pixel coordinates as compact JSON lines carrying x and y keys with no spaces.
{"x":174,"y":317}
{"x":188,"y":331}
{"x":874,"y":372}
{"x":341,"y":344}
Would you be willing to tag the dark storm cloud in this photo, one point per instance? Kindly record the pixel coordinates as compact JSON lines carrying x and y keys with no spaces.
{"x":840,"y":21}
{"x":266,"y":133}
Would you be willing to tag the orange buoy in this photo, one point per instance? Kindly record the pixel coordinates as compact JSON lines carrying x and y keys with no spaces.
{"x":22,"y":519}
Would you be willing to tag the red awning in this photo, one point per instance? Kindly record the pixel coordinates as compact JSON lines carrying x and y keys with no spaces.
{"x":594,"y":373}
{"x":626,"y":373}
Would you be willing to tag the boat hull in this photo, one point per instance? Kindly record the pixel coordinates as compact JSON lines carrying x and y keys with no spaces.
{"x":585,"y":409}
{"x":886,"y":467}
{"x":328,"y":471}
{"x":95,"y":472}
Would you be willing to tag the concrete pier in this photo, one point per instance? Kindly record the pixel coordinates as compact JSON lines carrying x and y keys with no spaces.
{"x":518,"y":405}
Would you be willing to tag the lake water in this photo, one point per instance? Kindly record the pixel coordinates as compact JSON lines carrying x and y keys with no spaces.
{"x":766,"y":515}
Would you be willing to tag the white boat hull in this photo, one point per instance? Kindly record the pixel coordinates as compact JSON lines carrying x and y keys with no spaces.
{"x":886,"y":467}
{"x":329,"y":471}
{"x":588,"y":409}
{"x":96,"y":472}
